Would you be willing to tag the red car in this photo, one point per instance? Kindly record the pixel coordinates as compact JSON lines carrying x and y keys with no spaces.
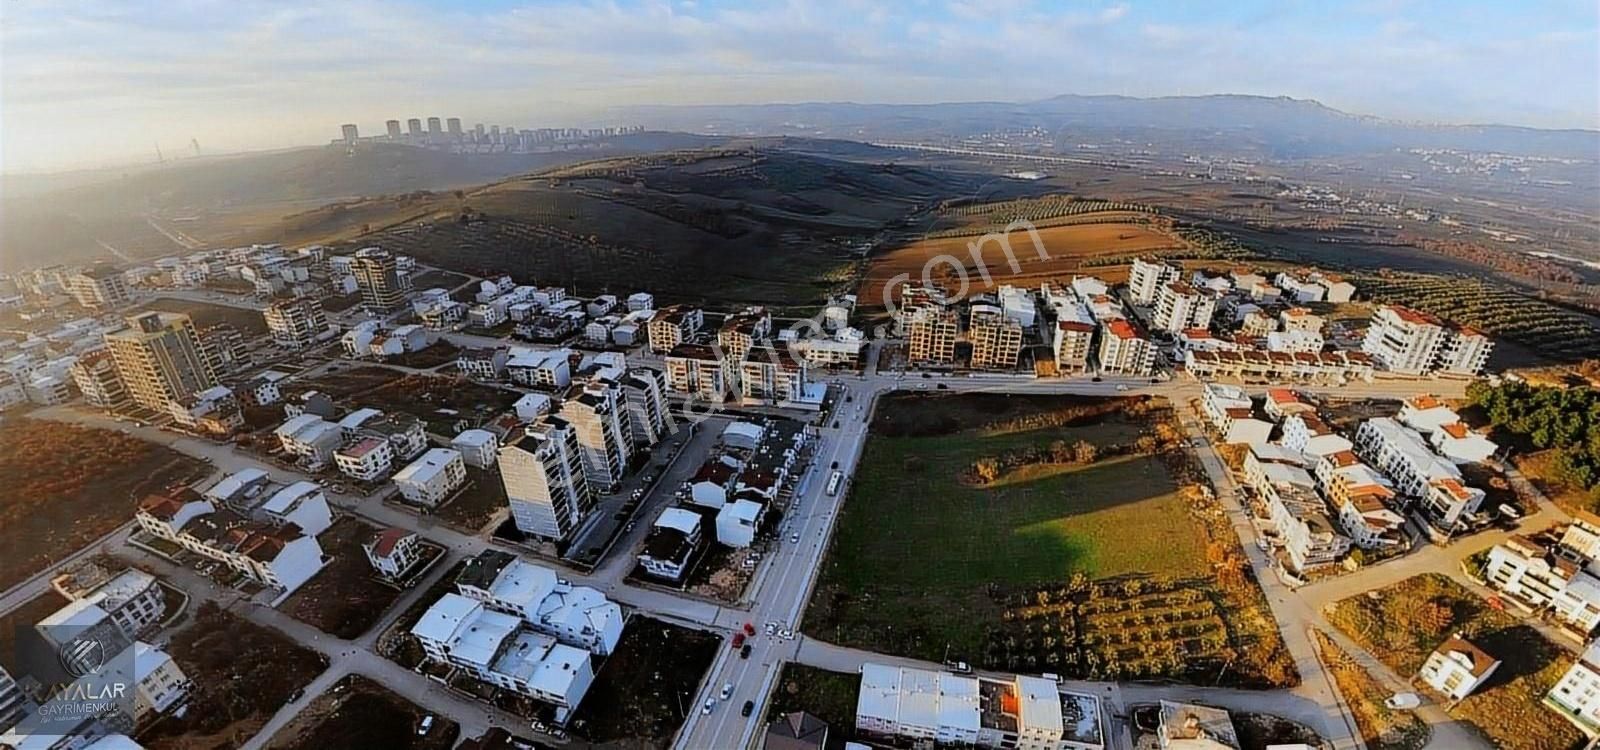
{"x":749,"y":629}
{"x":738,"y":640}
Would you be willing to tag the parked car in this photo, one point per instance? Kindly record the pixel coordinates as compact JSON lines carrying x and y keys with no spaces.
{"x":427,"y":724}
{"x":744,"y":653}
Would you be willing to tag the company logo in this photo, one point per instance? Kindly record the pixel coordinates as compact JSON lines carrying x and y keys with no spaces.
{"x":81,"y":656}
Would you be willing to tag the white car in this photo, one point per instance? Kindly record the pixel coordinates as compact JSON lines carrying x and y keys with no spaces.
{"x":727,"y":690}
{"x":794,"y":538}
{"x":706,"y":709}
{"x":786,"y":634}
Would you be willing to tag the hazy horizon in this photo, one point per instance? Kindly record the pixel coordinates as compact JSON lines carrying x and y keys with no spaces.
{"x":100,"y":84}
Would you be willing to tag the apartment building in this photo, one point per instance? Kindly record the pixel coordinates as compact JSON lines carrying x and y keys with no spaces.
{"x":367,"y":459}
{"x":996,"y":341}
{"x":597,"y":412}
{"x":303,"y":504}
{"x":1072,"y":339}
{"x":641,"y":301}
{"x":545,"y":481}
{"x":1576,"y":696}
{"x":1582,"y":536}
{"x":540,"y":368}
{"x":279,"y":556}
{"x":670,"y":548}
{"x":1282,"y":403}
{"x":161,"y":359}
{"x":99,"y":288}
{"x":578,"y":616}
{"x":483,"y":364}
{"x":742,"y":331}
{"x":773,"y":374}
{"x":1300,"y":319}
{"x":1254,"y":365}
{"x":648,"y":415}
{"x":1461,"y":445}
{"x":95,"y":374}
{"x":498,"y":649}
{"x":931,"y":336}
{"x":1308,"y":434}
{"x":1232,"y":412}
{"x":1363,"y":500}
{"x":392,"y":552}
{"x":383,"y":286}
{"x":673,"y":326}
{"x":900,"y":704}
{"x":696,"y":369}
{"x":1426,"y":414}
{"x":297,"y":323}
{"x":311,"y":439}
{"x":431,"y":479}
{"x":1457,"y":667}
{"x":131,"y":601}
{"x":1415,"y":343}
{"x":1537,"y":578}
{"x":1180,"y":307}
{"x":14,"y":703}
{"x":1401,"y":453}
{"x":1124,"y":350}
{"x":478,"y":448}
{"x":1147,"y":277}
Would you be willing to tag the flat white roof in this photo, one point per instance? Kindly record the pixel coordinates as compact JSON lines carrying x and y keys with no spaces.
{"x":522,"y":582}
{"x":1286,"y":474}
{"x":686,"y":521}
{"x":1039,"y":703}
{"x":295,"y":424}
{"x":1273,"y":452}
{"x":474,"y":438}
{"x":234,"y":482}
{"x":479,"y":638}
{"x":425,"y":468}
{"x":919,"y":698}
{"x":442,"y":619}
{"x":743,"y":510}
{"x":358,"y":417}
{"x":958,"y":702}
{"x":879,"y":697}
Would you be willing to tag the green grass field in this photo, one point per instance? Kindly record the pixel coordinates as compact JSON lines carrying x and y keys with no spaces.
{"x":919,"y":554}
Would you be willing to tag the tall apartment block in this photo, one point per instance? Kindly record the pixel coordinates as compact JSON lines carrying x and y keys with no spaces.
{"x":96,"y":376}
{"x":378,"y":277}
{"x":1414,"y":343}
{"x":1180,"y":307}
{"x":544,"y":480}
{"x":996,"y":342}
{"x":161,"y":359}
{"x":99,"y":288}
{"x":597,"y":411}
{"x":1147,"y":277}
{"x":646,"y":389}
{"x":931,"y":333}
{"x":296,"y":323}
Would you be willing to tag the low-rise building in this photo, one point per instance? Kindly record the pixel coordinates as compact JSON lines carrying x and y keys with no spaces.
{"x":1426,"y":414}
{"x":483,"y":363}
{"x":496,"y":648}
{"x":738,"y":521}
{"x":365,"y":460}
{"x":1462,"y":445}
{"x":1310,"y":435}
{"x":1576,"y":696}
{"x":392,"y":552}
{"x":1190,"y":726}
{"x":578,"y":616}
{"x":478,"y":448}
{"x":311,"y":439}
{"x":674,"y":540}
{"x":1538,"y":579}
{"x":431,"y":479}
{"x":303,"y":504}
{"x":1457,"y":667}
{"x":1231,"y":411}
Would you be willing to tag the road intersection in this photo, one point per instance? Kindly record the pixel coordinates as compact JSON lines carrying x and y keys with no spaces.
{"x":784,"y":584}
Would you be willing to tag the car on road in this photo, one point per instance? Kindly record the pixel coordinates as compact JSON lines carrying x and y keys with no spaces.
{"x":296,"y":695}
{"x":944,"y":386}
{"x":749,"y":629}
{"x":786,"y":634}
{"x":706,"y":709}
{"x":1122,"y":386}
{"x":1403,"y":701}
{"x":727,"y":690}
{"x":744,"y":653}
{"x":794,"y":538}
{"x":771,"y":628}
{"x":738,"y":639}
{"x":427,"y":724}
{"x":835,"y":465}
{"x":749,"y":708}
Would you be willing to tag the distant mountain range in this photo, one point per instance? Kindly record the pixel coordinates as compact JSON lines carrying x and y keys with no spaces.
{"x":1280,"y":127}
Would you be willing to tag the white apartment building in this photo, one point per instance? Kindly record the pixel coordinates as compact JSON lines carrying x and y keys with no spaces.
{"x":1404,"y":340}
{"x":310,"y":438}
{"x":597,"y":412}
{"x":961,"y":710}
{"x":671,"y":545}
{"x":1146,"y":279}
{"x":478,"y":448}
{"x":578,"y":616}
{"x":392,"y":552}
{"x":483,"y":364}
{"x":544,"y":480}
{"x":365,"y":460}
{"x":1230,"y":410}
{"x":738,"y":521}
{"x":496,"y":648}
{"x":1401,"y":453}
{"x":1180,"y":307}
{"x":1576,"y":696}
{"x":1457,"y":667}
{"x":641,"y":301}
{"x":303,"y":504}
{"x":297,"y":323}
{"x":540,"y":368}
{"x":431,"y":479}
{"x":1448,"y":500}
{"x":1124,"y":350}
{"x":95,"y":374}
{"x":1300,"y":319}
{"x":131,"y":600}
{"x":1537,"y":579}
{"x":282,"y":557}
{"x":1426,"y":414}
{"x":1308,"y":434}
{"x":1466,"y":352}
{"x":1460,"y":444}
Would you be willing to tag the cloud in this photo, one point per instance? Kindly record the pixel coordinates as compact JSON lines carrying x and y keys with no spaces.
{"x":102,"y":77}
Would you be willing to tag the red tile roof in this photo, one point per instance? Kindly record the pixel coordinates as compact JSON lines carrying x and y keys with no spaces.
{"x":384,"y":544}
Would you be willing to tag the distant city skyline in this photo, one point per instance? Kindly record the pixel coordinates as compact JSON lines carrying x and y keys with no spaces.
{"x":101,"y":83}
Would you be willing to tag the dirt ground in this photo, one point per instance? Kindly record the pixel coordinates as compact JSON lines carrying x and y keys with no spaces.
{"x":345,"y":599}
{"x":1065,"y":247}
{"x":359,"y":714}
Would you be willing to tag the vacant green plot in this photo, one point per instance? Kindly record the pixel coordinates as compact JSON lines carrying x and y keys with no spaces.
{"x":920,"y":554}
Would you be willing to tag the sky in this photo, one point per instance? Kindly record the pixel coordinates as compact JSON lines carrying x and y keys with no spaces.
{"x":93,"y":82}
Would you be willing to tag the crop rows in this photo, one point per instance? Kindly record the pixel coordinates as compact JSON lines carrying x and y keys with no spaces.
{"x":1040,"y":209}
{"x":1502,"y":313}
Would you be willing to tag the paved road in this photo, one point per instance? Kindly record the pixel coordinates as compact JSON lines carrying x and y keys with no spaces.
{"x":783,"y":585}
